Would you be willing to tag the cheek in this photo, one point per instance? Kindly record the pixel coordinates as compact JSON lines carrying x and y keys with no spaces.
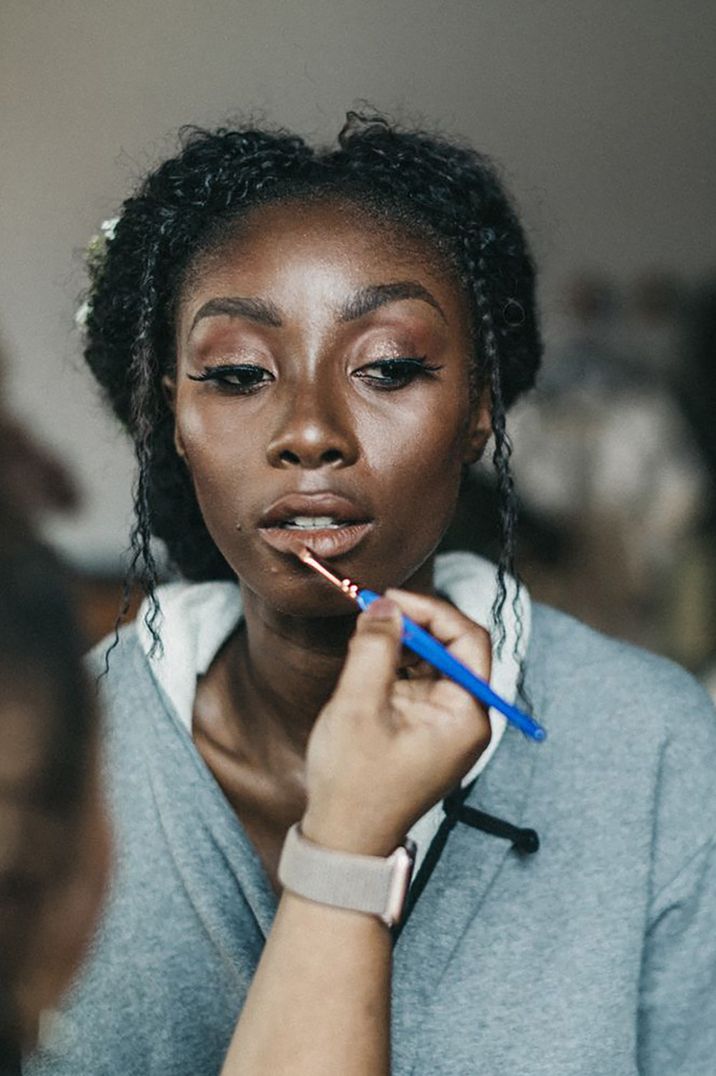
{"x":219,"y":452}
{"x":425,"y":446}
{"x":199,"y":428}
{"x":418,"y":464}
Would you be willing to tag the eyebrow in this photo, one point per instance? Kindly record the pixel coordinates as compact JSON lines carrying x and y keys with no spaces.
{"x":368,"y":299}
{"x":259,"y":310}
{"x":363,"y":302}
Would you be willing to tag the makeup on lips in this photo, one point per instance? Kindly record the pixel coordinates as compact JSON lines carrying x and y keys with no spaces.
{"x":334,"y":524}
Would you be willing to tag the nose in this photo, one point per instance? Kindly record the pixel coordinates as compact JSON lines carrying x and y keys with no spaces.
{"x":315,"y":430}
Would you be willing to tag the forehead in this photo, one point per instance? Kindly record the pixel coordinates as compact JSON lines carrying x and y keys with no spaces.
{"x":332,"y":242}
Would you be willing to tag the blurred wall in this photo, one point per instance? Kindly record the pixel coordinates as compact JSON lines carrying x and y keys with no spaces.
{"x":600,"y":112}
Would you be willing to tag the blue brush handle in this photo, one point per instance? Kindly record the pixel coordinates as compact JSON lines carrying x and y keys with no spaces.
{"x":423,"y":644}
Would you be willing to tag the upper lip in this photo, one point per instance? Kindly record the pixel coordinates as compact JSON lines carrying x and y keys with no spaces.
{"x":340,"y":508}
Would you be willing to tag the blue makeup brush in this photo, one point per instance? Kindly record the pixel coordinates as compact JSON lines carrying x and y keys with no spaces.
{"x":425,"y":646}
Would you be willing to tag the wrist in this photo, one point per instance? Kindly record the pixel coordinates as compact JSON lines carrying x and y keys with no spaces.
{"x":340,"y":834}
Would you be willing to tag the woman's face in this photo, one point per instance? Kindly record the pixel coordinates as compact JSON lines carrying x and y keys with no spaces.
{"x":322,"y":398}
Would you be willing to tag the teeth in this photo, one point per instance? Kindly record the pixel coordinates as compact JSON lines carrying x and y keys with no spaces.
{"x":309,"y":523}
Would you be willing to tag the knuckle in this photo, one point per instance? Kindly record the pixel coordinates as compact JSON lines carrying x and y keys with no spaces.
{"x":482,"y":640}
{"x":480,"y":634}
{"x":352,"y":708}
{"x":375,"y":629}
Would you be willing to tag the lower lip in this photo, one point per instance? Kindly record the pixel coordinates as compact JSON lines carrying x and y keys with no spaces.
{"x":328,"y":542}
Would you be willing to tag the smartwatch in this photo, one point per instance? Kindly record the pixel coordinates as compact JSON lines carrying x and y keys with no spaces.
{"x":371,"y":884}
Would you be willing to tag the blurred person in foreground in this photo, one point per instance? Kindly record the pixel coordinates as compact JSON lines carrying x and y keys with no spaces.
{"x":54,"y":844}
{"x":53,"y":837}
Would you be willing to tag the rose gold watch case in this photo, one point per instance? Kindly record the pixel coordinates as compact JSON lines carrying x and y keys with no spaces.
{"x":402,"y":861}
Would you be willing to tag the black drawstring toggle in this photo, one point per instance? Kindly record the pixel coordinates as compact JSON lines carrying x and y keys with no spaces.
{"x":523,"y":840}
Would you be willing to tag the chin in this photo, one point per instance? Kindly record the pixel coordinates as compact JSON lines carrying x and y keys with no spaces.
{"x":294,"y":594}
{"x":278,"y":581}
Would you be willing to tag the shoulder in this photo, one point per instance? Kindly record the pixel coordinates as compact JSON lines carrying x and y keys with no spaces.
{"x":114,"y":660}
{"x":625,"y":728}
{"x":127,"y":694}
{"x":570,"y":665}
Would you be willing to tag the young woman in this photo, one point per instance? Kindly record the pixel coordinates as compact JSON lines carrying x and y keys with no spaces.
{"x":309,"y":349}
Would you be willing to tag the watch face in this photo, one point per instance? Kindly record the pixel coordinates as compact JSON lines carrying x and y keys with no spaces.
{"x":402,"y":863}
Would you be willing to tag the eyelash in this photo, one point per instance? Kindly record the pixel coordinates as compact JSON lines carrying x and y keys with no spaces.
{"x":404,"y":371}
{"x":401,"y":373}
{"x":221,"y":374}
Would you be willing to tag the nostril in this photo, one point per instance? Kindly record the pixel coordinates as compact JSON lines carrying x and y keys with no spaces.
{"x":289,"y":457}
{"x":330,"y":456}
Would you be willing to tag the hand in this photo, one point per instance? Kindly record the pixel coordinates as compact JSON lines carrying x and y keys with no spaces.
{"x":384,"y":750}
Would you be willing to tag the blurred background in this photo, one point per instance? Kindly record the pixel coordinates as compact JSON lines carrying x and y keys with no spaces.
{"x":600,"y":114}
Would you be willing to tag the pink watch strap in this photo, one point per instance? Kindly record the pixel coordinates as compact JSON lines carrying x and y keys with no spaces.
{"x":359,"y":883}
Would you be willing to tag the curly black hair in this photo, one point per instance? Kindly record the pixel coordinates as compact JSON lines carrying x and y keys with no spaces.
{"x":440,"y":190}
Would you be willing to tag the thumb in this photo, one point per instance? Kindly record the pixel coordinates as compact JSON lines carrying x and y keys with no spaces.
{"x":369,"y":671}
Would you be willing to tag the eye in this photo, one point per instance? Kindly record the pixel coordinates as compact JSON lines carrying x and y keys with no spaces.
{"x":395,"y":373}
{"x":240,"y":379}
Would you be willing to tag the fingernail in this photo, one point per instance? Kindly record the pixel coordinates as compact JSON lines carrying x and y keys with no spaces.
{"x":381,"y":609}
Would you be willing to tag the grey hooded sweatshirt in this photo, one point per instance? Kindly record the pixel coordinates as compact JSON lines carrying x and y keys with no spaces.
{"x":594,"y":956}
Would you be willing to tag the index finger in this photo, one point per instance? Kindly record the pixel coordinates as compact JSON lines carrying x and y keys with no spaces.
{"x":370,"y":668}
{"x":468,"y":641}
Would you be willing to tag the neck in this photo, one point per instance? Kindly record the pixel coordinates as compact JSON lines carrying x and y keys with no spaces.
{"x":283,"y":669}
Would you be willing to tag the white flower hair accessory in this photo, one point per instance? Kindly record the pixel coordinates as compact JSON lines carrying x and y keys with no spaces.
{"x":94,"y":256}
